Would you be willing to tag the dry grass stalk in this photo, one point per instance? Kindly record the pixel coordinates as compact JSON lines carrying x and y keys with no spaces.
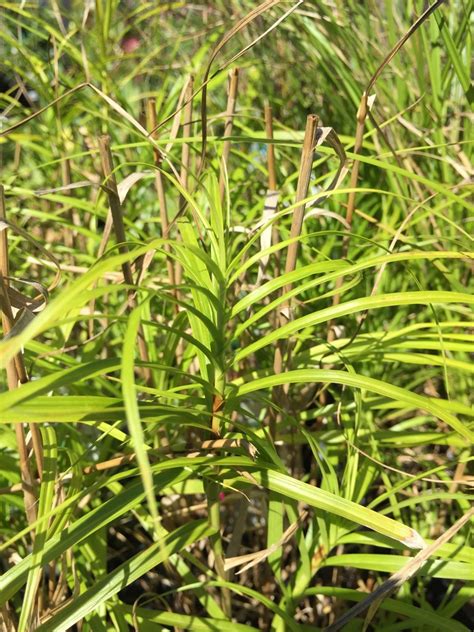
{"x":19,"y":365}
{"x":185,"y":168}
{"x":189,"y":451}
{"x":362,"y":114}
{"x":272,"y":182}
{"x":160,"y":190}
{"x":363,"y":110}
{"x":400,"y":577}
{"x":16,"y":371}
{"x":272,"y":178}
{"x":304,"y":176}
{"x":306,"y":164}
{"x":111,"y":189}
{"x":187,"y":133}
{"x":238,"y":26}
{"x":229,"y":122}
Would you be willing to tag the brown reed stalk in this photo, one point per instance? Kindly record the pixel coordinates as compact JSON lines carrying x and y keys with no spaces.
{"x":413,"y":565}
{"x":16,"y":371}
{"x":362,"y":114}
{"x":111,"y":189}
{"x":185,"y":167}
{"x":160,"y":191}
{"x":172,"y":267}
{"x":268,"y":113}
{"x":187,"y":133}
{"x":304,"y":176}
{"x":272,"y":178}
{"x":229,"y":123}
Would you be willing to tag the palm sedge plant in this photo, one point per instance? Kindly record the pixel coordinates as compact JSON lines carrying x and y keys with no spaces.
{"x":236,"y":352}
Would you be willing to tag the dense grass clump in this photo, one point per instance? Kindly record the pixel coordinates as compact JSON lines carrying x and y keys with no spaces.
{"x":235,"y":274}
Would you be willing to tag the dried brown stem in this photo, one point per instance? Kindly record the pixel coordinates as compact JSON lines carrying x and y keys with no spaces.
{"x":19,"y":365}
{"x":173,"y":268}
{"x":238,"y":26}
{"x":160,"y":191}
{"x":298,"y":214}
{"x":304,"y":176}
{"x":4,"y":262}
{"x":14,"y":377}
{"x":400,"y":577}
{"x":187,"y":133}
{"x":306,"y":165}
{"x":272,"y":178}
{"x":184,"y":175}
{"x":229,"y":122}
{"x":272,"y":183}
{"x":362,"y":114}
{"x":111,"y":189}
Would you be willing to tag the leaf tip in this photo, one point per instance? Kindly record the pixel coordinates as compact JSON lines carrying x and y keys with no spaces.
{"x":414,"y":540}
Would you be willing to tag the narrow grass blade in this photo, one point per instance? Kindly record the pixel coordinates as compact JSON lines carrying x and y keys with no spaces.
{"x":328,"y":502}
{"x":303,"y":376}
